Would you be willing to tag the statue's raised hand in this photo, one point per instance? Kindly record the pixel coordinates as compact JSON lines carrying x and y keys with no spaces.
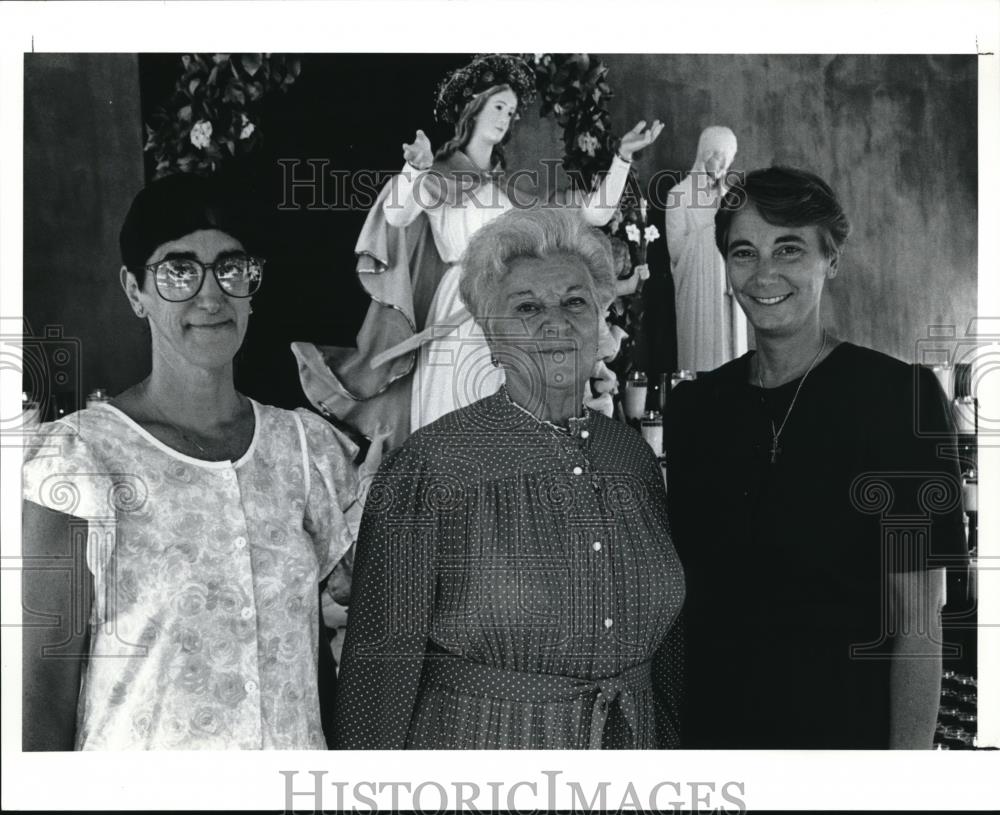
{"x":638,"y":137}
{"x":419,"y":153}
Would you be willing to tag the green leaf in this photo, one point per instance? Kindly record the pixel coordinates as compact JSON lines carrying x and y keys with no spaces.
{"x":193,"y":85}
{"x":184,"y":114}
{"x":251,"y":63}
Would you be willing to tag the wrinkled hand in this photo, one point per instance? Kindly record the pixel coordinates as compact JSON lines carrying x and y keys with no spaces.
{"x":419,"y":153}
{"x":639,"y":137}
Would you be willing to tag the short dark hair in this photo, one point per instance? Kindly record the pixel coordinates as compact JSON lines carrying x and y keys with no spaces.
{"x":785,"y":196}
{"x":173,"y":206}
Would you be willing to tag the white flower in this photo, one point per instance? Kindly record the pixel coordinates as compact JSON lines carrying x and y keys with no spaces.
{"x":652,"y":233}
{"x":632,"y":232}
{"x":557,"y":109}
{"x":201,"y":134}
{"x":587,"y":143}
{"x":247,"y":131}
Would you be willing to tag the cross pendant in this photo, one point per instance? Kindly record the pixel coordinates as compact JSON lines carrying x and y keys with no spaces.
{"x":774,"y":451}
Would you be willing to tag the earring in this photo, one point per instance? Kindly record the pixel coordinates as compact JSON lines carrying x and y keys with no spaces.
{"x":140,"y":311}
{"x":251,"y":309}
{"x":495,"y":361}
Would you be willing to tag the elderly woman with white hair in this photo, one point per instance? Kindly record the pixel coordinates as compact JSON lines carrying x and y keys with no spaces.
{"x":515,"y":583}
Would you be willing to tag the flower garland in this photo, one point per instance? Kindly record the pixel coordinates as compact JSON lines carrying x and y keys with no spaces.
{"x":214,"y":113}
{"x":456,"y":90}
{"x":575,"y":90}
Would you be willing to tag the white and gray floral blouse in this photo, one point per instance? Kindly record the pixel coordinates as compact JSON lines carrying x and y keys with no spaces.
{"x":204,"y":628}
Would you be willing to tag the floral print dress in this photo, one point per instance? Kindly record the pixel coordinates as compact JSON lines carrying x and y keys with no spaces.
{"x":204,"y":627}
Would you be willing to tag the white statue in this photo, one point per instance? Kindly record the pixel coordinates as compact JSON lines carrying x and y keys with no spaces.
{"x":711,"y":327}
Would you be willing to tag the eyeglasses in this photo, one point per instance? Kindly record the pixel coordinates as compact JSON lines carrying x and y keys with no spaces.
{"x":180,"y":279}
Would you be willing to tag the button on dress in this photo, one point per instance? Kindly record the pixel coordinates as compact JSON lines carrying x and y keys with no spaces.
{"x":204,"y":630}
{"x":484,"y":616}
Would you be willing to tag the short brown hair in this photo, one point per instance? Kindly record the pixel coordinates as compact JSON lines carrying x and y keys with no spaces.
{"x":785,"y":196}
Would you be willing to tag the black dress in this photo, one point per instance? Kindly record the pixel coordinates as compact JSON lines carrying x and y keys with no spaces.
{"x":785,"y":562}
{"x":515,"y":587}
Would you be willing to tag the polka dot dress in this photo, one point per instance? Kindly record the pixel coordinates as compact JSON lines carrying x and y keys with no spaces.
{"x":515,"y":587}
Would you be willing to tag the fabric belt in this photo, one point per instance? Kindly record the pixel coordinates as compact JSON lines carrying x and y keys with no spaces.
{"x":474,"y":679}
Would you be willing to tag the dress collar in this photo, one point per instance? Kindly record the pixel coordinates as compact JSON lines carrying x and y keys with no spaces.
{"x":575,"y":424}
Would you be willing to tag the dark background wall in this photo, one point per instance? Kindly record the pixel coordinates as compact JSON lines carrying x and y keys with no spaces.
{"x":82,"y":165}
{"x":895,"y":136}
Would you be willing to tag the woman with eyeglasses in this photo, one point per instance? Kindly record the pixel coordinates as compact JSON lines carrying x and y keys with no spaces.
{"x":193,"y":524}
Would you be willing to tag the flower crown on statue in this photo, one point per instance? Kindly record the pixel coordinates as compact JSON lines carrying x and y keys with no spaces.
{"x":485,"y":71}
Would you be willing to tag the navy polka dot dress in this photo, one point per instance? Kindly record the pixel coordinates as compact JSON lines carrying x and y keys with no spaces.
{"x":515,"y":587}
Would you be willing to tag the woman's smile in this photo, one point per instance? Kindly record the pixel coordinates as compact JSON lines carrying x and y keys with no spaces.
{"x":770,"y":301}
{"x":227,"y":323}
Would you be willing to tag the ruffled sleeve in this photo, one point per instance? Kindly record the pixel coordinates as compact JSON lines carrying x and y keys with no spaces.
{"x":64,"y":473}
{"x":333,"y":507}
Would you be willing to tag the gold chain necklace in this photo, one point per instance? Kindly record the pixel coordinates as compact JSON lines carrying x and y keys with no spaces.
{"x":776,"y":433}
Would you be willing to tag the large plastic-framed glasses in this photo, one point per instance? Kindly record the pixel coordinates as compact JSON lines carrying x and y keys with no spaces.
{"x":180,"y":279}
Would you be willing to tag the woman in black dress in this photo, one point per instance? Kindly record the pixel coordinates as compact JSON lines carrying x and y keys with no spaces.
{"x":810,"y":505}
{"x":515,"y":584}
